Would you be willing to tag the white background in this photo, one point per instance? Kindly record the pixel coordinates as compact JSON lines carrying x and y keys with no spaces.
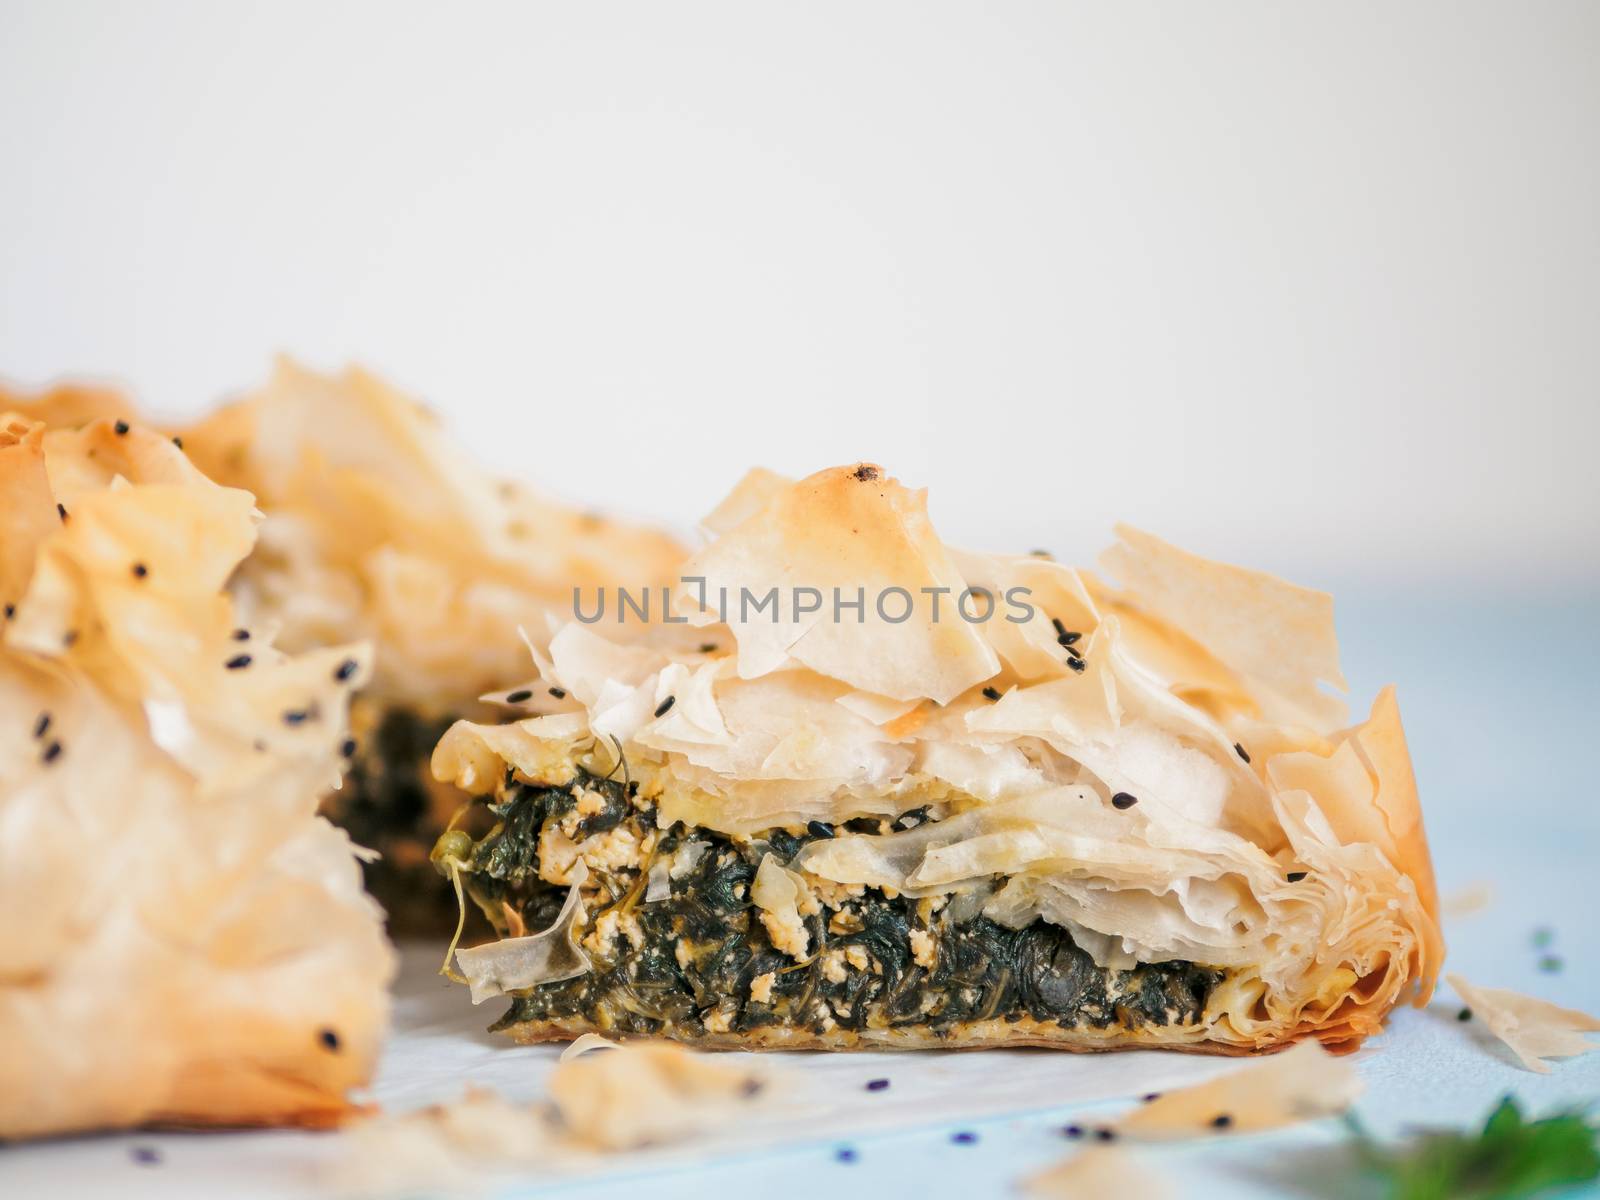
{"x":1311,"y":286}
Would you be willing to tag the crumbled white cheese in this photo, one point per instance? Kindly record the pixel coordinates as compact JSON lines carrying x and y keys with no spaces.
{"x":687,"y":856}
{"x":612,"y":850}
{"x":632,"y":930}
{"x":832,"y":894}
{"x":601,"y":936}
{"x":557,"y":854}
{"x":779,"y":893}
{"x":844,"y":921}
{"x":833,"y":967}
{"x":922,"y":948}
{"x":761,"y":987}
{"x":788,"y":933}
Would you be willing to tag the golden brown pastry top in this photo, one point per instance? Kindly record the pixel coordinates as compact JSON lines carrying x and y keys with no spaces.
{"x":378,"y":527}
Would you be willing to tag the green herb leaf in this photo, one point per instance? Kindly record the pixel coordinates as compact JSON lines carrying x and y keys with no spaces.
{"x":1511,"y":1157}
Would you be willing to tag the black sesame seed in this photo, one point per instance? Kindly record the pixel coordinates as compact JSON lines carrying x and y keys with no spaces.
{"x":51,"y":753}
{"x":11,"y":611}
{"x":329,"y":1039}
{"x":61,"y":511}
{"x":559,"y":693}
{"x":877,"y":1085}
{"x":1241,"y":752}
{"x":140,"y":570}
{"x":1464,"y":1015}
{"x":845,"y":1154}
{"x":145,"y":1156}
{"x":992,"y":693}
{"x":296,"y":716}
{"x":1295,"y":876}
{"x":518,"y":696}
{"x":707,"y":647}
{"x":347,"y":748}
{"x":42,"y":725}
{"x":819,"y":829}
{"x":963,"y":1137}
{"x":661,"y":709}
{"x":1076,"y":663}
{"x":1061,"y":630}
{"x":1106,"y":1135}
{"x":344,"y":670}
{"x":241,"y":635}
{"x":1123,"y":800}
{"x":1149,"y":1096}
{"x":121,"y":427}
{"x":1221,"y":1121}
{"x":1551,"y":963}
{"x":238,"y":662}
{"x":178,"y":442}
{"x":1072,"y":1131}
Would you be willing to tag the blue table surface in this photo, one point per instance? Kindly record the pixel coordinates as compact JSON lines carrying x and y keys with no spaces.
{"x":1500,"y":694}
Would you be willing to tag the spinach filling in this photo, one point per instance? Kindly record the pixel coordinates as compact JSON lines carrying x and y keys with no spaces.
{"x":700,"y":961}
{"x":383,"y":803}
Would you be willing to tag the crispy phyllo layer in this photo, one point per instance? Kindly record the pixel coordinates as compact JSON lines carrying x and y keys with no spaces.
{"x":377,"y":527}
{"x":1103,"y":794}
{"x":186,"y":940}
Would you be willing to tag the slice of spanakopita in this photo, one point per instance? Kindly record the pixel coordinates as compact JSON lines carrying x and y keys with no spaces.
{"x":183,"y":940}
{"x":927,"y":797}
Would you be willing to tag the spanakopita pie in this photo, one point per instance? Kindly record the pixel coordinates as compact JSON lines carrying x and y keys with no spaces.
{"x":378,"y":527}
{"x":930,"y":797}
{"x":185,"y":941}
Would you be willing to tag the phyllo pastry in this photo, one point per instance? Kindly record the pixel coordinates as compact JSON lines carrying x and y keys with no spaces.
{"x":378,"y":527}
{"x":880,"y":792}
{"x":185,"y":940}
